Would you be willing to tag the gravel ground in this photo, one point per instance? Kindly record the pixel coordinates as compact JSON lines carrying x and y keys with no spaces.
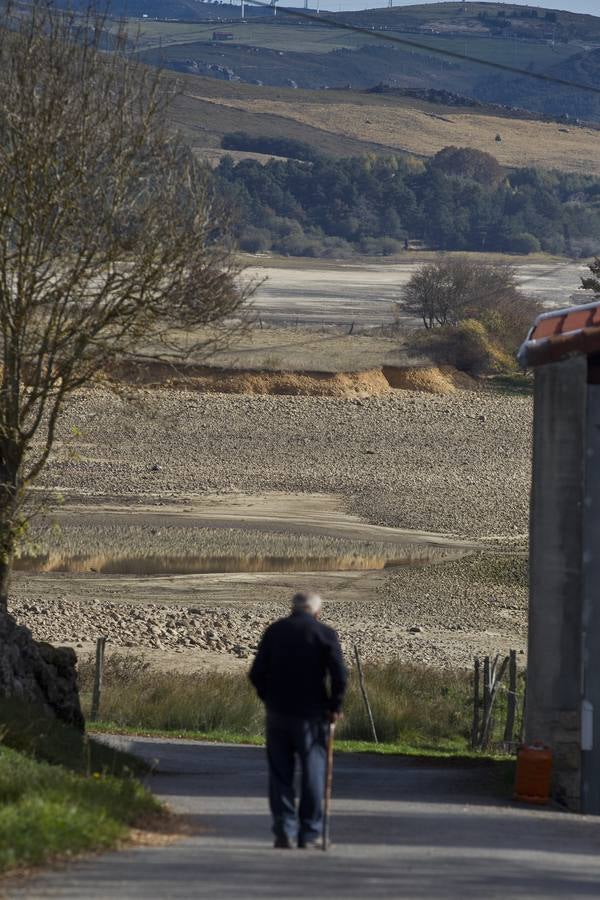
{"x":440,"y":615}
{"x":456,"y":464}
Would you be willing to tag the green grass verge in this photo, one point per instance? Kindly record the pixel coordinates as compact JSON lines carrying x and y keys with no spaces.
{"x":28,"y":730}
{"x":62,"y":792}
{"x":448,"y":751}
{"x":48,"y":811}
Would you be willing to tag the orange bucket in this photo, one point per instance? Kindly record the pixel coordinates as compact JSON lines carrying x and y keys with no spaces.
{"x":534,"y":771}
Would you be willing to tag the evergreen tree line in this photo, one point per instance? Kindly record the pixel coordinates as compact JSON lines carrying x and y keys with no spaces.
{"x":461,"y":199}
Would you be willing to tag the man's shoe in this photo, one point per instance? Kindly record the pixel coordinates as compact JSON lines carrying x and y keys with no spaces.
{"x":316,"y":844}
{"x":283,"y":843}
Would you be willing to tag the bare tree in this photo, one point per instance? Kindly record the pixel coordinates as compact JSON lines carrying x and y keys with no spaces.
{"x":109,"y":233}
{"x":452,"y":289}
{"x":438,"y":291}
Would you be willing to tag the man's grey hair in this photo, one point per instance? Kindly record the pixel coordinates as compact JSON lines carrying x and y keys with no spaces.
{"x":307,"y":601}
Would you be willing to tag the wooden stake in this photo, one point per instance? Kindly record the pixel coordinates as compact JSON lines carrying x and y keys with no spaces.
{"x":512,"y":698}
{"x":523,"y":711}
{"x":98,"y":673}
{"x":328,"y":786}
{"x":487,"y":690}
{"x":475,"y":725}
{"x":363,"y":689}
{"x":486,"y":729}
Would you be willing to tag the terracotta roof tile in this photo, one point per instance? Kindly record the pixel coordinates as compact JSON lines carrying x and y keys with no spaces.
{"x":561,"y":333}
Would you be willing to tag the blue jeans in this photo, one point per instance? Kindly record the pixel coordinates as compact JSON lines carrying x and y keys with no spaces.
{"x":288,"y":737}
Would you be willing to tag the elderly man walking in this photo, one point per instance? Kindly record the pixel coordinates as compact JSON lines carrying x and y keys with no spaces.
{"x":300,"y":676}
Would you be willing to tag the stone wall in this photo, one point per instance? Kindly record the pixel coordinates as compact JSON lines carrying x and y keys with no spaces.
{"x":38,"y":673}
{"x":555,"y":605}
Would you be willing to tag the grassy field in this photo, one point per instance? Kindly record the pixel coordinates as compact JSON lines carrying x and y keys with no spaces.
{"x":62,"y":793}
{"x":311,"y":38}
{"x":417,"y":710}
{"x":298,"y":38}
{"x":346,"y":123}
{"x":413,"y":128}
{"x":203,"y":118}
{"x":47,"y":811}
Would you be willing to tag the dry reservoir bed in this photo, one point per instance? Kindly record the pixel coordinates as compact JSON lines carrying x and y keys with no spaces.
{"x":190,"y":519}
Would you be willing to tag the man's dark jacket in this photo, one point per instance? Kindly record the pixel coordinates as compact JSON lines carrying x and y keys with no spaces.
{"x":294,"y":658}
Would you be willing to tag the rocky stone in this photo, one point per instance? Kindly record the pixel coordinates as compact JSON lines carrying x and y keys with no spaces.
{"x":38,"y":673}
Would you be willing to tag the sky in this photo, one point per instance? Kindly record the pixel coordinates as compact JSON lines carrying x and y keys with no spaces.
{"x":579,"y":6}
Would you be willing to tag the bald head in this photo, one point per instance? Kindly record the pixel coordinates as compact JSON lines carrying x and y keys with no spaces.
{"x":307,"y":601}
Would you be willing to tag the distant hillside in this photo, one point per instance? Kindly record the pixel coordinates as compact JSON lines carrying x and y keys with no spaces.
{"x":583,"y":68}
{"x":510,"y":20}
{"x":363,"y":67}
{"x":288,"y":52}
{"x":350,"y":123}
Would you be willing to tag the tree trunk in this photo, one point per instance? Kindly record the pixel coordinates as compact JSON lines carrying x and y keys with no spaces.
{"x":5,"y":570}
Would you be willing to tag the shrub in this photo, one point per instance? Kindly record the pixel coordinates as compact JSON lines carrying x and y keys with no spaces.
{"x":468,"y":163}
{"x":299,"y":245}
{"x":381,"y":246}
{"x":467,"y":346}
{"x":474,"y":315}
{"x":255,"y":240}
{"x":275,"y":146}
{"x":523,"y":242}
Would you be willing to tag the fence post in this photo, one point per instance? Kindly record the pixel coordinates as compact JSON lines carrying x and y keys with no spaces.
{"x":523,"y":711}
{"x":475,"y":725}
{"x":98,"y":673}
{"x":511,"y":705}
{"x":486,"y":696}
{"x":486,"y":729}
{"x":363,"y":689}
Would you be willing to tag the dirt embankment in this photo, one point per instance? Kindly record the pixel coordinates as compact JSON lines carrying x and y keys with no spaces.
{"x":366,"y":383}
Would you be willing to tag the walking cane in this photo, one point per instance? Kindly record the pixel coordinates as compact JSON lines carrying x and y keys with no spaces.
{"x":328,"y":783}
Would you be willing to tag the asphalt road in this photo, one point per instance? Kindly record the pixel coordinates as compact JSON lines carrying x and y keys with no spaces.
{"x":400,"y":830}
{"x":310,"y":295}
